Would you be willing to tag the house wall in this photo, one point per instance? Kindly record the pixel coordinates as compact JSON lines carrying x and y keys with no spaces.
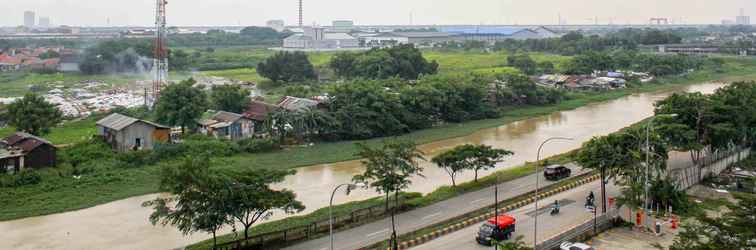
{"x":41,"y":157}
{"x":125,"y":139}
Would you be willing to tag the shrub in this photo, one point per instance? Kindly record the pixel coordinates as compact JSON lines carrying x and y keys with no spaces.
{"x":23,"y":178}
{"x":252,"y":145}
{"x":135,"y":159}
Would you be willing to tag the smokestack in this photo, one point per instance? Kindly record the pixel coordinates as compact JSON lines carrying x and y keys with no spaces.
{"x":301,"y":21}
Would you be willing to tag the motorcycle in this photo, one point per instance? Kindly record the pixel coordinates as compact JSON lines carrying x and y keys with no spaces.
{"x":554,"y":211}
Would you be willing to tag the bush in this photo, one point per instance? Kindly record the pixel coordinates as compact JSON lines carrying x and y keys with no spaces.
{"x":252,"y":145}
{"x":135,"y":159}
{"x":94,"y":150}
{"x":23,"y":178}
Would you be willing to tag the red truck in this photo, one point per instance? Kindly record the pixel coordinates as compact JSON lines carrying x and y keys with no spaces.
{"x":496,"y":229}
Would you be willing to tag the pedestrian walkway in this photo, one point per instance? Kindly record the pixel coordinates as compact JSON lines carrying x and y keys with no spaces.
{"x":624,"y":238}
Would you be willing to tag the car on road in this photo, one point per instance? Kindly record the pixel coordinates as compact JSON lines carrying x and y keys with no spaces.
{"x":574,"y":246}
{"x":496,"y":229}
{"x":556,"y":172}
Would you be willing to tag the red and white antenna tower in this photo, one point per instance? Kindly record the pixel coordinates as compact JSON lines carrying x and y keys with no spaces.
{"x":160,"y":64}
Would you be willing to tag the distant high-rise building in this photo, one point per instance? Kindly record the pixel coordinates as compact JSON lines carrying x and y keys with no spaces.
{"x":728,"y":22}
{"x":742,"y":19}
{"x":44,"y":22}
{"x":30,"y":19}
{"x":277,"y":25}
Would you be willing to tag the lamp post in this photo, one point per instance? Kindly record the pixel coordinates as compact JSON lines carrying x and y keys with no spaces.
{"x":647,"y":161}
{"x":350,"y":187}
{"x":496,"y":204}
{"x":538,"y":159}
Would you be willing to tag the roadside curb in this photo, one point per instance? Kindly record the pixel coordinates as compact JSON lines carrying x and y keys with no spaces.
{"x":470,"y":221}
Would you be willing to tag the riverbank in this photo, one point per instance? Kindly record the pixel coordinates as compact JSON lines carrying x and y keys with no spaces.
{"x":115,"y":184}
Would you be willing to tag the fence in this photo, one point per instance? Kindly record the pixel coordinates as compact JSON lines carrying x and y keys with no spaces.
{"x":712,"y":164}
{"x":602,"y":222}
{"x":313,"y":230}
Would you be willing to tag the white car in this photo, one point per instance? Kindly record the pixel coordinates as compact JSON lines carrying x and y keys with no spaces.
{"x":574,"y":246}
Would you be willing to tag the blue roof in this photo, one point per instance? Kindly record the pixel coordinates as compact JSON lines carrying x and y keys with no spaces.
{"x":482,"y":30}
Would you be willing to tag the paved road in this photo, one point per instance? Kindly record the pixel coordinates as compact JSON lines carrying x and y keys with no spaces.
{"x":570,"y":215}
{"x":406,"y":222}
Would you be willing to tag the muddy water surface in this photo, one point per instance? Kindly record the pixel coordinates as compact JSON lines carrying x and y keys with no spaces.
{"x":123,"y":224}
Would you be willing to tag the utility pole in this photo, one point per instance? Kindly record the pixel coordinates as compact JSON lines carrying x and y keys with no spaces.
{"x":301,"y":11}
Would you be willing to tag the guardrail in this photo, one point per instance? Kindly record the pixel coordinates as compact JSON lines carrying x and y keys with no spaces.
{"x":601,"y":222}
{"x":313,"y":230}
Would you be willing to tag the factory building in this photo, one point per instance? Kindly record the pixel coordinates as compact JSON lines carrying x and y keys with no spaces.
{"x":317,"y":38}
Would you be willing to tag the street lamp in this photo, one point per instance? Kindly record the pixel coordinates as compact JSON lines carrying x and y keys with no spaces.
{"x":648,"y":152}
{"x":538,"y":159}
{"x":350,"y":187}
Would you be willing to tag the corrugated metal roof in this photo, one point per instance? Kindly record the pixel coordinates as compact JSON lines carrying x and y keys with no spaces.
{"x":116,"y":121}
{"x":227,"y":116}
{"x":506,"y":31}
{"x":415,"y":34}
{"x":296,"y":103}
{"x":338,"y":36}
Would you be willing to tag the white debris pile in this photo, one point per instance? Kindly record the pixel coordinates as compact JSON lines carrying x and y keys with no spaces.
{"x":68,"y":108}
{"x":108,"y":101}
{"x":8,"y":100}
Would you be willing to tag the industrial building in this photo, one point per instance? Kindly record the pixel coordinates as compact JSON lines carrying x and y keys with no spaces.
{"x":343,"y":26}
{"x":317,"y":38}
{"x":418,"y":38}
{"x":459,"y":34}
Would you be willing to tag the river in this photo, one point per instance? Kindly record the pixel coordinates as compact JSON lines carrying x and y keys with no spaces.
{"x":124,"y":224}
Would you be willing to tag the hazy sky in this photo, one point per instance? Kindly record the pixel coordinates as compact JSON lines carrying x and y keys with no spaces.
{"x":256,"y":12}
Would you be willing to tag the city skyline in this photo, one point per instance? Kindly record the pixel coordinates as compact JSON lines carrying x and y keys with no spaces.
{"x":419,"y":12}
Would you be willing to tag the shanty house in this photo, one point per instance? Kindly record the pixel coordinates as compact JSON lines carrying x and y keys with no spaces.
{"x":21,"y":150}
{"x":125,"y":133}
{"x":297,"y":104}
{"x":258,"y":112}
{"x":227,"y":125}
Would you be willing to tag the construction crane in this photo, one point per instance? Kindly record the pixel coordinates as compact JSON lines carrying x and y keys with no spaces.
{"x":160,"y":63}
{"x":301,"y":10}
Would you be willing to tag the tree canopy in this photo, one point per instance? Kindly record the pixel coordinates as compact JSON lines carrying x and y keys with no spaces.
{"x":34,"y":115}
{"x":404,"y":61}
{"x":469,"y":157}
{"x":287,"y":67}
{"x":734,"y":230}
{"x":181,"y":104}
{"x":231,"y":98}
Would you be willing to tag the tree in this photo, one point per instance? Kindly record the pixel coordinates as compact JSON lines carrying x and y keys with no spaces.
{"x":231,"y":98}
{"x":404,"y":61}
{"x":619,"y":156}
{"x":690,"y":130}
{"x":287,"y":67}
{"x":197,"y":201}
{"x":390,"y":169}
{"x":517,"y":244}
{"x":469,"y":157}
{"x":523,"y":62}
{"x":251,"y":199}
{"x":734,"y":230}
{"x":261,"y":33}
{"x":181,"y":104}
{"x":34,"y":115}
{"x":179,"y":59}
{"x":49,"y":54}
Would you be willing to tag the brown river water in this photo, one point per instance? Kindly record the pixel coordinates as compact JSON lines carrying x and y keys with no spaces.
{"x":124,"y":224}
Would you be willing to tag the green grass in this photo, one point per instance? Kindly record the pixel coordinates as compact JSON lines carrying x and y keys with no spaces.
{"x":67,"y":133}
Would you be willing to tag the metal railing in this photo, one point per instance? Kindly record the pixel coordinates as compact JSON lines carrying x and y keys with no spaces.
{"x":313,"y":230}
{"x":602,"y":222}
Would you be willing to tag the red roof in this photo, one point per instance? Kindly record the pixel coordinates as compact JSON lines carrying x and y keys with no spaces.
{"x":258,"y":110}
{"x":25,"y":141}
{"x":502,"y":221}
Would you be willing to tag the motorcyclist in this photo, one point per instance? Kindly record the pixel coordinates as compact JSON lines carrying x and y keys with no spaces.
{"x":555,"y":208}
{"x":591,"y":198}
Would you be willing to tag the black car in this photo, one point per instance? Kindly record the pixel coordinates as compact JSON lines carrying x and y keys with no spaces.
{"x":556,"y":172}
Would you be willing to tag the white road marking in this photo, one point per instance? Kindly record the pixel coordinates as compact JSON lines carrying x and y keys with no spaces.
{"x":478,"y":201}
{"x":377,"y":233}
{"x":432,"y":215}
